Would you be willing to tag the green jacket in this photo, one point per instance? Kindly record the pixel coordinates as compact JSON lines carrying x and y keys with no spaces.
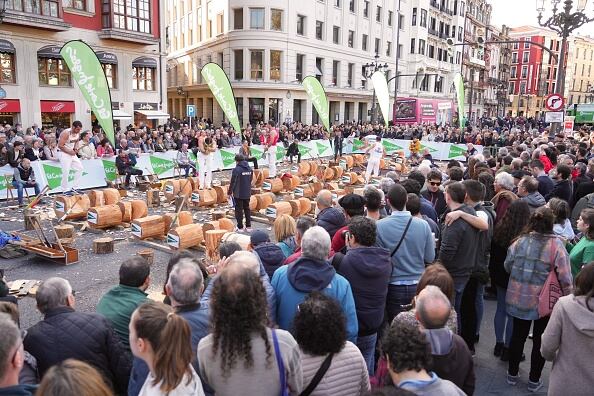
{"x":580,"y":254}
{"x":117,"y":305}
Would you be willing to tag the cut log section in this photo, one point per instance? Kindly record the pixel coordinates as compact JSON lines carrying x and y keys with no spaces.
{"x":184,"y":218}
{"x":147,"y":254}
{"x":303,"y":168}
{"x":103,"y":246}
{"x":152,"y":198}
{"x":126,"y":209}
{"x":210,"y":225}
{"x":221,"y":193}
{"x":305,"y":205}
{"x":218,"y":215}
{"x":253,"y":202}
{"x":332,"y":186}
{"x":195,"y":183}
{"x":168,"y":219}
{"x":295,"y":208}
{"x":349,"y":178}
{"x":185,"y":236}
{"x":204,"y":197}
{"x":76,"y":206}
{"x":242,"y":239}
{"x":96,"y":198}
{"x":212,"y":240}
{"x":290,"y":182}
{"x":313,"y":168}
{"x":273,"y":185}
{"x":171,"y":189}
{"x":358,"y":159}
{"x":104,"y":216}
{"x":304,"y":190}
{"x":139,"y":209}
{"x":181,"y":203}
{"x":64,"y":231}
{"x":346,"y":161}
{"x":258,"y":177}
{"x":328,"y":174}
{"x":316,"y":186}
{"x":148,"y":227}
{"x":338,"y":171}
{"x":185,"y":187}
{"x":111,"y":196}
{"x":277,"y":209}
{"x":226,"y":224}
{"x":30,"y":220}
{"x":264,"y":200}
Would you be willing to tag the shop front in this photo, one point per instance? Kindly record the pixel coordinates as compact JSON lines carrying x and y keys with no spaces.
{"x":148,"y":114}
{"x":57,"y":114}
{"x":10,"y":111}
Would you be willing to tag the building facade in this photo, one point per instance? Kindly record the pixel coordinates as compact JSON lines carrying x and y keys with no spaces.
{"x":581,"y":59}
{"x":128,"y":38}
{"x":267,"y":48}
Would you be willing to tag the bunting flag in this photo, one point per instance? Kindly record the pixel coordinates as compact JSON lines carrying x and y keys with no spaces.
{"x":219,"y":85}
{"x":459,"y":85}
{"x":317,"y":95}
{"x":380,"y":85}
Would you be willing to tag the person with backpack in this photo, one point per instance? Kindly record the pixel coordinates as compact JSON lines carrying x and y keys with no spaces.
{"x":270,"y":254}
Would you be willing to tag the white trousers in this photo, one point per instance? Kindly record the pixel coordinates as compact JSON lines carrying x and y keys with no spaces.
{"x":204,"y":170}
{"x":271,"y":157}
{"x":373,"y":165}
{"x":68,"y":162}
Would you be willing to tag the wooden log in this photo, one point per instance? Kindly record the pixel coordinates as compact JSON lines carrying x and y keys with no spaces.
{"x":305,"y":206}
{"x":219,"y":214}
{"x":64,"y":231}
{"x":171,"y":189}
{"x":383,"y":163}
{"x":316,"y":186}
{"x":181,"y":203}
{"x":148,"y":227}
{"x":185,"y":187}
{"x":346,"y":161}
{"x":258,"y":177}
{"x":332,"y":186}
{"x":328,"y":174}
{"x":103,"y":245}
{"x":210,"y":225}
{"x":96,"y":198}
{"x":185,"y":218}
{"x":358,"y":159}
{"x":204,"y":197}
{"x":152,"y":198}
{"x":349,"y":178}
{"x":147,"y":254}
{"x":76,"y":206}
{"x":313,"y":168}
{"x":122,"y":192}
{"x":338,"y":171}
{"x":273,"y":185}
{"x":167,"y":220}
{"x":139,"y":209}
{"x":194,"y":182}
{"x":212,"y":240}
{"x":221,"y":193}
{"x":290,"y":182}
{"x":111,"y":196}
{"x":126,"y":209}
{"x":242,"y":239}
{"x":30,"y":220}
{"x":264,"y":200}
{"x":303,"y":168}
{"x":104,"y":216}
{"x":226,"y":224}
{"x":253,"y":202}
{"x":304,"y":190}
{"x":278,"y":208}
{"x":295,"y":207}
{"x":185,"y":236}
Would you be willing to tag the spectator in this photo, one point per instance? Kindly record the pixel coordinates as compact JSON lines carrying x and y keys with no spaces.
{"x":567,"y":339}
{"x":302,"y":224}
{"x":352,"y":205}
{"x":83,"y":336}
{"x":368,"y":269}
{"x":28,"y":374}
{"x":247,"y":153}
{"x":374,"y":202}
{"x":411,"y":247}
{"x":50,"y":149}
{"x":239,"y":356}
{"x":562,"y":188}
{"x":434,"y":194}
{"x":451,"y":356}
{"x":161,"y":338}
{"x":320,"y":331}
{"x":118,"y":304}
{"x":582,"y":252}
{"x":24,"y":177}
{"x":240,"y":189}
{"x":86,"y":149}
{"x":504,"y":184}
{"x":35,"y":152}
{"x":409,"y":359}
{"x":12,"y":357}
{"x":309,"y":273}
{"x":562,"y":226}
{"x":284,"y":232}
{"x":413,"y":205}
{"x":15,"y":154}
{"x":125,"y":164}
{"x":528,"y":192}
{"x":293,"y":151}
{"x":73,"y":378}
{"x":105,"y":149}
{"x":183,"y":160}
{"x":329,"y":218}
{"x":545,"y":184}
{"x":413,"y":184}
{"x":270,"y":254}
{"x":529,"y":260}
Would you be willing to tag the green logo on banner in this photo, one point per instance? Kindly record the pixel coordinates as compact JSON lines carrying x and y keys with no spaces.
{"x":358,"y":145}
{"x":192,"y":156}
{"x":280,"y":153}
{"x":456,"y":151}
{"x":256,"y":153}
{"x":304,"y":150}
{"x":317,"y":95}
{"x":228,"y":158}
{"x":54,"y":175}
{"x":161,"y":165}
{"x":390,"y":147}
{"x":110,"y":170}
{"x":431,"y":149}
{"x":321,"y":148}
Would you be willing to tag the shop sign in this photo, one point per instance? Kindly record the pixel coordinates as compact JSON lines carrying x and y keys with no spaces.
{"x":146,"y":106}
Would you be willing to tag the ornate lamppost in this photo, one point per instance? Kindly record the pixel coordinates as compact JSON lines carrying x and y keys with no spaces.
{"x":371,"y":68}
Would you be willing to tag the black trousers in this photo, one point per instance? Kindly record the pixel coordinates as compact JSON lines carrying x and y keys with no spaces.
{"x":131,"y":171}
{"x":337,"y":150}
{"x":254,"y":161}
{"x":242,"y":206}
{"x":298,"y":157}
{"x":468,"y":313}
{"x":516,"y":346}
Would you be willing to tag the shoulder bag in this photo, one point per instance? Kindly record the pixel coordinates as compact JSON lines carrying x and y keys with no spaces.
{"x":318,"y":376}
{"x":281,"y":365}
{"x":550,"y":293}
{"x":402,"y":238}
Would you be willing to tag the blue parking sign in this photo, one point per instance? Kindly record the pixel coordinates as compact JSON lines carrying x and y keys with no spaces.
{"x":191,"y":110}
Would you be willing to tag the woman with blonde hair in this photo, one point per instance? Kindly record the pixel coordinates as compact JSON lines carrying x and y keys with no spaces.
{"x":162,"y":339}
{"x":73,"y":378}
{"x":284,"y":233}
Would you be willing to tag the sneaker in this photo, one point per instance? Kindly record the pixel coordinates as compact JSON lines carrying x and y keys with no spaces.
{"x":498,"y":349}
{"x":68,"y":193}
{"x":248,"y":229}
{"x":512,"y":379}
{"x":534,"y":386}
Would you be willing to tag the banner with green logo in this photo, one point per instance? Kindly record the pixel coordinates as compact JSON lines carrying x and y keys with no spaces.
{"x":317,"y":95}
{"x":86,"y":70}
{"x":110,"y":169}
{"x":456,"y":152}
{"x":228,"y":158}
{"x":323,"y":147}
{"x":161,"y":166}
{"x":219,"y":85}
{"x":380,"y":86}
{"x":390,"y":147}
{"x":459,"y":85}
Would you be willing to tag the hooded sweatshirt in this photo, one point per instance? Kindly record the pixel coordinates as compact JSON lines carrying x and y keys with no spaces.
{"x":19,"y":390}
{"x":568,"y":341}
{"x":331,"y":219}
{"x":271,"y":256}
{"x":292,"y":283}
{"x":241,"y":181}
{"x":368,"y":270}
{"x":459,"y":243}
{"x":534,"y":200}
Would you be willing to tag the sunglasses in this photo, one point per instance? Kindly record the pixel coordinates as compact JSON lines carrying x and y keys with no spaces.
{"x":435,"y":183}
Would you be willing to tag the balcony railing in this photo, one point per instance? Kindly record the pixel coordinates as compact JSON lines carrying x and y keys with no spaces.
{"x":434,"y":4}
{"x":433,"y":32}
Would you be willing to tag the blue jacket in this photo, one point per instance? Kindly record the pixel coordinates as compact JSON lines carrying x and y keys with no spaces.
{"x":427,"y":209}
{"x":271,"y":256}
{"x":19,"y":390}
{"x":292,"y":283}
{"x":241,"y":181}
{"x":331,"y":219}
{"x":417,"y":248}
{"x":368,"y":270}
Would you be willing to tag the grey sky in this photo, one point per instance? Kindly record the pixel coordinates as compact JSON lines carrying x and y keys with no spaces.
{"x":523,"y":12}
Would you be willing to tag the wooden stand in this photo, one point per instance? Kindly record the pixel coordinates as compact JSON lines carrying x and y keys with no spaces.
{"x":30,"y":220}
{"x":103,"y":246}
{"x":147,"y":254}
{"x":64,"y":231}
{"x":153,"y":199}
{"x":204,"y":197}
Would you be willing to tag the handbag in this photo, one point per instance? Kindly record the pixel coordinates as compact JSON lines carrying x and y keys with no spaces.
{"x":281,"y":365}
{"x":318,"y":376}
{"x":550,"y":293}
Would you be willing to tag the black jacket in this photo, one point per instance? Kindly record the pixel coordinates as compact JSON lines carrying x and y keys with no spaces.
{"x":67,"y":334}
{"x":545,"y":185}
{"x":241,"y":181}
{"x":271,"y":256}
{"x":123,"y":165}
{"x":30,"y":155}
{"x":331,"y":219}
{"x":459,"y":242}
{"x":562,"y":189}
{"x":11,"y":157}
{"x":437,"y":200}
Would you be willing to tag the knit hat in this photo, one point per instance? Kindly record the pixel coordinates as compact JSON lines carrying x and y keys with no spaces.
{"x":258,"y":236}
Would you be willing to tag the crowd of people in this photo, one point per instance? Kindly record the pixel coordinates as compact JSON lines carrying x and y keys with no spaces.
{"x":381,"y":293}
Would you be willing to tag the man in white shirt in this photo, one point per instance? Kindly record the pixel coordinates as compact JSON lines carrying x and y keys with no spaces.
{"x":376,"y":152}
{"x":68,"y":159}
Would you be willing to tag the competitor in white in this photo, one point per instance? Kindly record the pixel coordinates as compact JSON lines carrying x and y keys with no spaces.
{"x":68,"y":159}
{"x":270,"y":140}
{"x":376,"y":152}
{"x":206,"y":147}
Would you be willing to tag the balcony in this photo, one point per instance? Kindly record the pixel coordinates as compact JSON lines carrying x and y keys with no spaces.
{"x":128,"y":35}
{"x":433,"y":32}
{"x":446,"y":11}
{"x":41,"y":21}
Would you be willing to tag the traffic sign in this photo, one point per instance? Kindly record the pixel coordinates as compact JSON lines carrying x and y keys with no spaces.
{"x":568,"y":124}
{"x":554,"y":116}
{"x":2,"y":93}
{"x":554,"y":102}
{"x":191,"y":110}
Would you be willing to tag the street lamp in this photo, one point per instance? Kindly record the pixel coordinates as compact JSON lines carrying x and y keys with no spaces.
{"x":564,"y":23}
{"x":369,"y":69}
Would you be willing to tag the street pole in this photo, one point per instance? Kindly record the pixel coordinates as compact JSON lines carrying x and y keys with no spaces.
{"x":396,"y":79}
{"x":471,"y":93}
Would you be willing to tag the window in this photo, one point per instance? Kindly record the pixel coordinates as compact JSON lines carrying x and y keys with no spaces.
{"x":458,"y":57}
{"x":190,"y":28}
{"x":431,"y":51}
{"x":319,"y":30}
{"x":390,"y":16}
{"x":220,"y":22}
{"x":438,"y":87}
{"x":424,"y":82}
{"x":412,"y":45}
{"x":143,"y":78}
{"x":39,"y":7}
{"x":364,"y":42}
{"x":511,"y":88}
{"x":400,"y":50}
{"x":53,"y":72}
{"x":516,"y":46}
{"x":336,"y":35}
{"x":525,"y":56}
{"x":514,"y":57}
{"x":351,"y":70}
{"x":414,"y":17}
{"x":238,"y":18}
{"x":378,"y":14}
{"x":524,"y":71}
{"x":319,"y":68}
{"x":401,"y":22}
{"x":256,"y":64}
{"x":76,"y":4}
{"x":335,"y":72}
{"x":299,"y":67}
{"x":423,"y":21}
{"x":523,"y":87}
{"x":301,"y":25}
{"x":275,"y":65}
{"x":110,"y":71}
{"x":127,"y":15}
{"x":238,"y":59}
{"x":256,"y":18}
{"x":337,"y":3}
{"x":514,"y":72}
{"x":366,"y":9}
{"x":389,"y":48}
{"x":527,"y":43}
{"x":7,"y":68}
{"x":351,"y":39}
{"x":352,"y":6}
{"x":460,"y":34}
{"x":276,"y":19}
{"x":421,"y":46}
{"x":377,"y":45}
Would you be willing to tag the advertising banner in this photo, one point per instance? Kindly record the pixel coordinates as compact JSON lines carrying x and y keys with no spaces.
{"x":380,"y":86}
{"x":219,"y":85}
{"x":317,"y":95}
{"x":405,"y":110}
{"x":459,"y":85}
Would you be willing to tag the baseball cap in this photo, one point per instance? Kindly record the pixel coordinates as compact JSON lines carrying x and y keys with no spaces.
{"x":258,"y":236}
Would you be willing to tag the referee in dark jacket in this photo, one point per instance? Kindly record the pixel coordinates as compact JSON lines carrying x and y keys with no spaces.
{"x":241,"y":190}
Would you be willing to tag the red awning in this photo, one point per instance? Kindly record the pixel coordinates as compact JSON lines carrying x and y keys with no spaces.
{"x":10,"y":106}
{"x":51,"y":106}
